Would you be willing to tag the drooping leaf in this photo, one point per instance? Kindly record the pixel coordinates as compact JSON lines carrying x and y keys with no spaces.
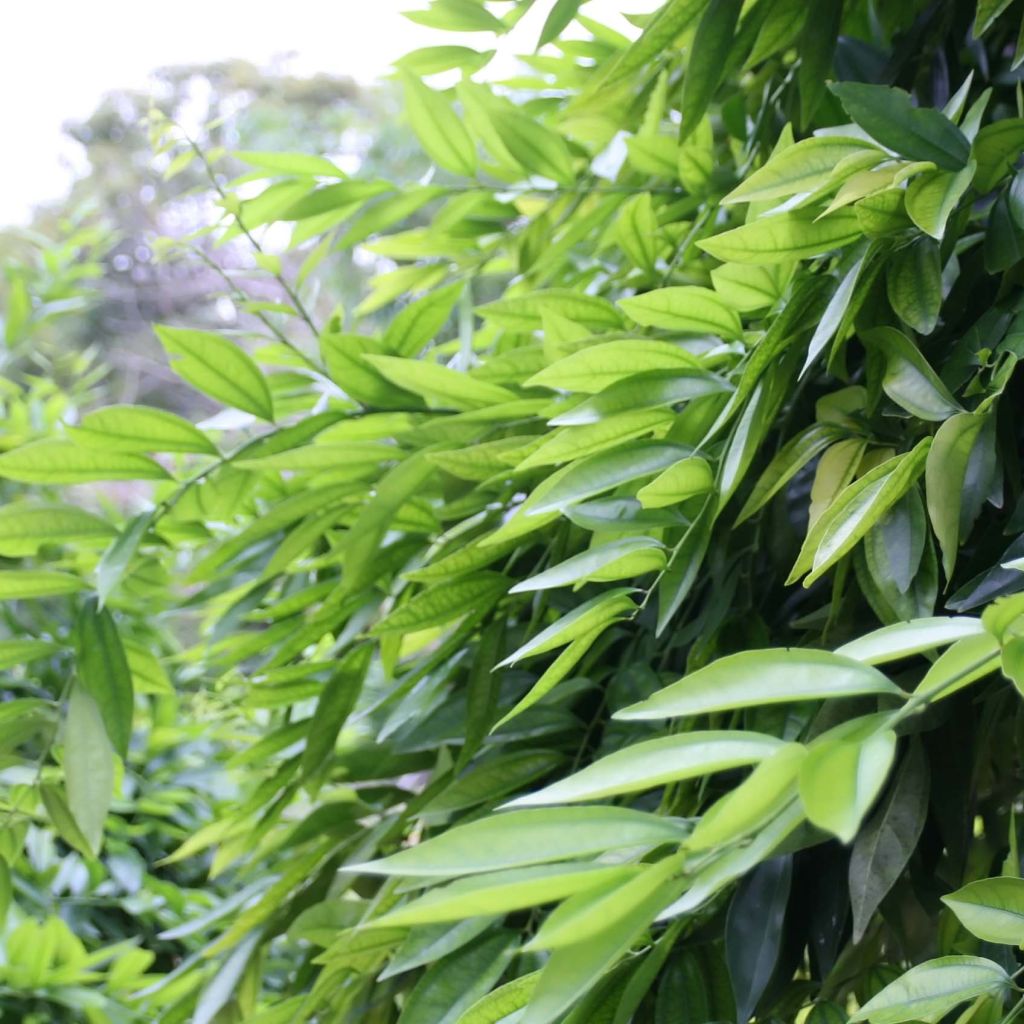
{"x":521,"y":838}
{"x":762,"y":677}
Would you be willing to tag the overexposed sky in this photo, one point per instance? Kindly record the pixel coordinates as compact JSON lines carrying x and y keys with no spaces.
{"x":58,"y":58}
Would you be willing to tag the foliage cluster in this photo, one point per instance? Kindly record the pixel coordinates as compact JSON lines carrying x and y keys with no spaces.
{"x":646,"y":542}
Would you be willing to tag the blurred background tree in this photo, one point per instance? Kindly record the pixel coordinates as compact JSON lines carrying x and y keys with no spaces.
{"x":128,"y":199}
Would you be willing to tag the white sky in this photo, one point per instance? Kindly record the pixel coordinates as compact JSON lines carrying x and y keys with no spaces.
{"x":58,"y":58}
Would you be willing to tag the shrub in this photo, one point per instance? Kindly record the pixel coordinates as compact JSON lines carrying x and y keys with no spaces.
{"x":659,"y":560}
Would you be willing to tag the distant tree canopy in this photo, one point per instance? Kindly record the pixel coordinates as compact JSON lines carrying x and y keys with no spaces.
{"x":598,"y":596}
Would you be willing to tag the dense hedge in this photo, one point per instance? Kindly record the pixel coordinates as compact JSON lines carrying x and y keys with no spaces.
{"x":658,"y":560}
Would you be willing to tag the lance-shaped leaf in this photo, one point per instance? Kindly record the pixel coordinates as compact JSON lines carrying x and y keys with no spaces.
{"x":991,"y":908}
{"x":929,"y":991}
{"x":954,"y":495}
{"x":654,"y":763}
{"x":444,"y":603}
{"x":651,"y":390}
{"x":103,"y":672}
{"x":914,"y":284}
{"x":584,"y":619}
{"x":904,"y":639}
{"x":599,"y":473}
{"x":500,"y":892}
{"x":219,"y":368}
{"x":25,"y":526}
{"x":684,"y":480}
{"x":931,"y":197}
{"x":574,"y":969}
{"x":708,"y":61}
{"x":859,"y":507}
{"x":616,"y":560}
{"x":753,"y":803}
{"x":885,"y":845}
{"x":504,"y":1001}
{"x":783,"y":237}
{"x":440,"y":130}
{"x":521,"y":838}
{"x":137,"y":428}
{"x":909,"y":381}
{"x":802,"y":167}
{"x":840,"y":779}
{"x":58,"y":462}
{"x":446,"y":387}
{"x":88,"y":766}
{"x":752,"y":678}
{"x":687,"y":308}
{"x":967,"y":661}
{"x":890,"y":118}
{"x":595,"y":367}
{"x":28,"y":584}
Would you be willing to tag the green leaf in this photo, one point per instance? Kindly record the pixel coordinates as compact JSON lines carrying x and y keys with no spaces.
{"x":791,"y":458}
{"x":431,"y":60}
{"x":21,"y":652}
{"x":598,"y":612}
{"x":708,"y":60}
{"x":931,"y":197}
{"x":452,"y":984}
{"x":752,"y":678}
{"x":991,"y":908}
{"x":783,"y":237}
{"x":589,"y":913}
{"x":502,"y":1002}
{"x":687,"y":309}
{"x":888,"y":840}
{"x":753,"y":803}
{"x":440,"y":130}
{"x":88,"y":766}
{"x":930,"y":990}
{"x":218,"y":368}
{"x":304,"y":164}
{"x":676,"y":484}
{"x":653,"y":389}
{"x":618,"y":559}
{"x":25,"y":527}
{"x":116,"y":559}
{"x":803,"y":167}
{"x":967,"y":661}
{"x":28,"y":584}
{"x":535,"y":147}
{"x":914,"y":285}
{"x":566,"y":661}
{"x":747,"y":288}
{"x":858,"y":507}
{"x":840,"y":779}
{"x":578,"y":442}
{"x":893,"y":643}
{"x":521,"y":838}
{"x":835,"y":316}
{"x":595,"y":367}
{"x":58,"y":462}
{"x":417,"y":323}
{"x":103,"y":672}
{"x":599,"y":473}
{"x":525,"y":312}
{"x":946,"y":474}
{"x":890,"y":118}
{"x":136,"y":428}
{"x":503,"y":891}
{"x":448,"y":388}
{"x":637,"y":232}
{"x":574,"y":969}
{"x":655,"y":763}
{"x":986,"y":14}
{"x":444,"y":603}
{"x":909,"y":381}
{"x":753,"y":931}
{"x":336,"y":702}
